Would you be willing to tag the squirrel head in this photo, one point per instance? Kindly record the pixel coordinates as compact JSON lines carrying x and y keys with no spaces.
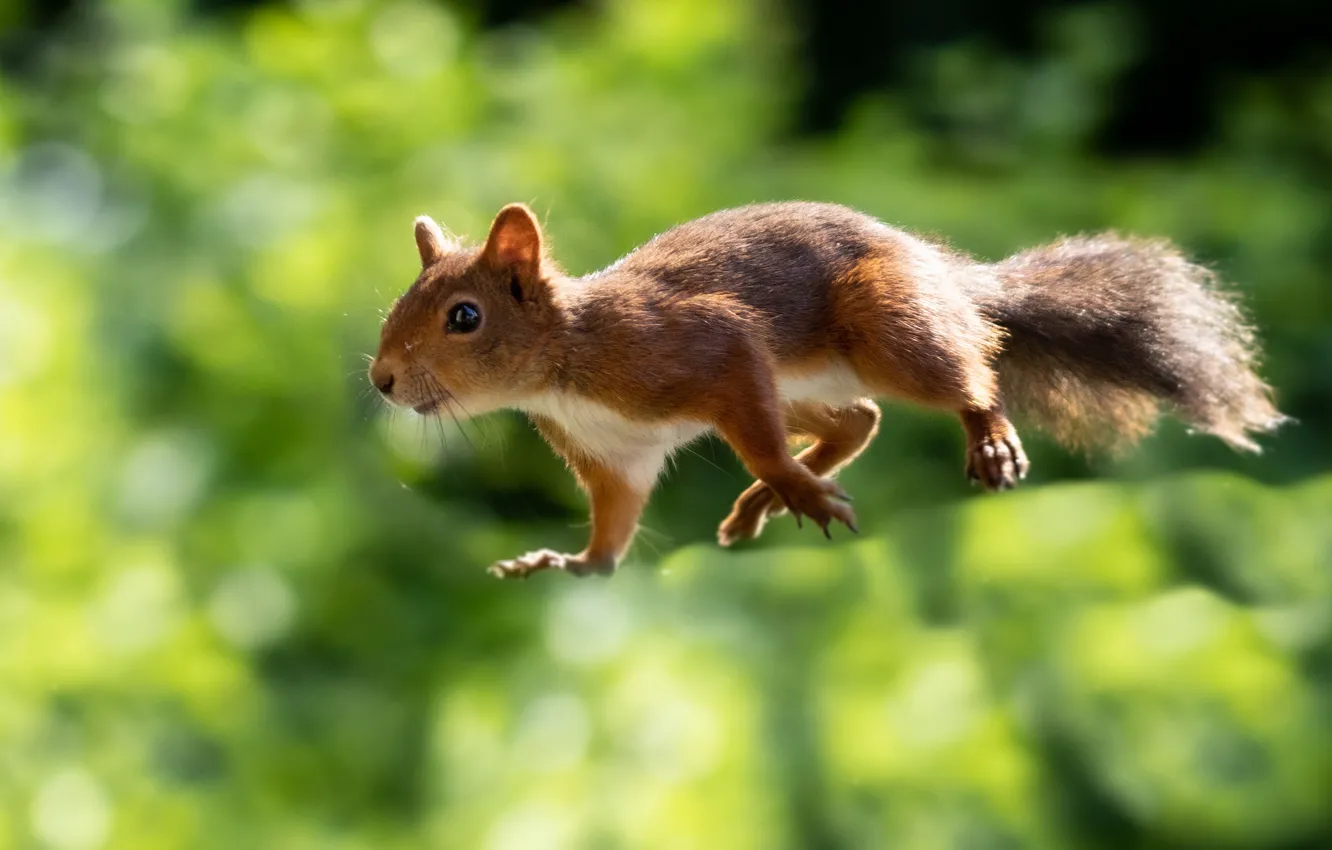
{"x":473,"y":324}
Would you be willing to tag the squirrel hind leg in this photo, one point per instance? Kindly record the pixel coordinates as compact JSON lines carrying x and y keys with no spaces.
{"x":995,"y":458}
{"x":840,"y":435}
{"x":757,"y":433}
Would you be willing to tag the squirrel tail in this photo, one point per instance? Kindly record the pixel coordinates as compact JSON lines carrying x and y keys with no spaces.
{"x":1104,"y":331}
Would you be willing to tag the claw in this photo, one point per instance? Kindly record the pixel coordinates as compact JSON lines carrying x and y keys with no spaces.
{"x":1020,"y":463}
{"x":819,"y":500}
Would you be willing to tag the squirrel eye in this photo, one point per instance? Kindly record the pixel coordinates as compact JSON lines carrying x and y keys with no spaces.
{"x":463,"y":318}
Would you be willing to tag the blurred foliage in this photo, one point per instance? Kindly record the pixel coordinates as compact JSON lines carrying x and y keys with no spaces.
{"x":242,"y":606}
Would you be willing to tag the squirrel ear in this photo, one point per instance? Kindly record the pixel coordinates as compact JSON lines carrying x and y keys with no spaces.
{"x":429,"y":240}
{"x":515,"y":240}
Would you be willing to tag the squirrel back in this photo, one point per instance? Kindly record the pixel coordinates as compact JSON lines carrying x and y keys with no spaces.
{"x":1095,"y":334}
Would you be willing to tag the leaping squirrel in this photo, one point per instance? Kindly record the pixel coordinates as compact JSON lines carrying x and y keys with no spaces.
{"x":788,"y":319}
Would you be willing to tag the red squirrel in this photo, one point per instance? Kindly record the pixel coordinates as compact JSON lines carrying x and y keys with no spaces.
{"x":783,"y":320}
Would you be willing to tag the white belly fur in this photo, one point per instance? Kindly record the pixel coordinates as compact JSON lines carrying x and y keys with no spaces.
{"x":835,"y":384}
{"x":639,"y":449}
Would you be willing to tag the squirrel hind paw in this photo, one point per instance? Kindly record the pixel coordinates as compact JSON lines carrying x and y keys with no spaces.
{"x":997,"y":463}
{"x":749,"y":514}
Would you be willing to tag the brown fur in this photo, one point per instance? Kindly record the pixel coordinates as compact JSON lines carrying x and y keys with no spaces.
{"x":714,"y":324}
{"x":1107,"y":330}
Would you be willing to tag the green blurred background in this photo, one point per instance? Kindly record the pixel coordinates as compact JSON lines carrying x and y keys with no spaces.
{"x":242,"y":607}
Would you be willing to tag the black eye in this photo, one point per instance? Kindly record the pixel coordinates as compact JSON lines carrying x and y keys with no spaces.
{"x":464,"y":318}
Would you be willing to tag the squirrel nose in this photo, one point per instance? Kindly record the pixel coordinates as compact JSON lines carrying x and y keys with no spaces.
{"x":382,"y":377}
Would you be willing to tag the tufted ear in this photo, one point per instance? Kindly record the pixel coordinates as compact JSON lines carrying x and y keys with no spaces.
{"x":429,"y":241}
{"x":515,"y":241}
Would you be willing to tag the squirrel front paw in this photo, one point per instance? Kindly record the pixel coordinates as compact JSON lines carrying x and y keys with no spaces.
{"x":548,"y":559}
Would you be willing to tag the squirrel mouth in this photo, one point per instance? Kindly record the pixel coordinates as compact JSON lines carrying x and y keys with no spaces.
{"x":428,"y":407}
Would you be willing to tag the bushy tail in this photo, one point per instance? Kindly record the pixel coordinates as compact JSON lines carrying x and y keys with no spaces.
{"x":1103,"y":331}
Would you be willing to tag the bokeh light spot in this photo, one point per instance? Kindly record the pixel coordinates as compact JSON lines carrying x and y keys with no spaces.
{"x":71,"y":811}
{"x":252,"y":607}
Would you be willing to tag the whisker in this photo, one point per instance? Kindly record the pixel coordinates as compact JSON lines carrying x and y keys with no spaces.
{"x":645,"y":539}
{"x":446,"y":399}
{"x":709,"y":461}
{"x":480,"y":426}
{"x":367,"y":409}
{"x":421,"y":436}
{"x":459,"y":425}
{"x":443,"y":436}
{"x":440,"y":397}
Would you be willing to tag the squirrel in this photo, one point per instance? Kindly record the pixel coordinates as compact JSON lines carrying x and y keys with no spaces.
{"x":781,"y":320}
